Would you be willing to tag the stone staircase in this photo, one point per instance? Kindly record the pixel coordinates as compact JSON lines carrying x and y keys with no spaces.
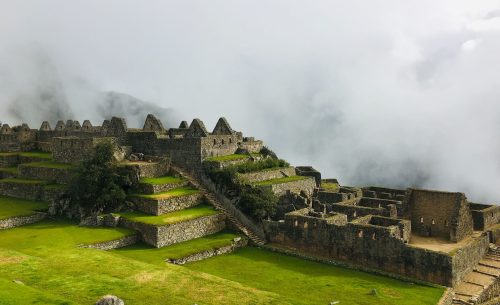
{"x":483,"y":283}
{"x":213,"y":200}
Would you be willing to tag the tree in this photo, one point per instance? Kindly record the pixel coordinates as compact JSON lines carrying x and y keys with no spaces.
{"x":260,"y":203}
{"x":98,"y":185}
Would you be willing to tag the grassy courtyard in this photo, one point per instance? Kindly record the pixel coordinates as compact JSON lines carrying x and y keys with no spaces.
{"x":11,"y":207}
{"x":198,"y":211}
{"x":41,"y":264}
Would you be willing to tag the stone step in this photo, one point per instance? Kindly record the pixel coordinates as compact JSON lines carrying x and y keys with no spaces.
{"x":212,"y":199}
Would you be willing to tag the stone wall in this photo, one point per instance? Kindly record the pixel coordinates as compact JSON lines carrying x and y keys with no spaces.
{"x":9,"y":160}
{"x":484,"y":216}
{"x":447,"y":298}
{"x":368,"y":245}
{"x":30,"y":191}
{"x":236,"y":244}
{"x":466,"y":258}
{"x":161,"y":236}
{"x":163,"y":206}
{"x":76,"y":149}
{"x":114,"y":244}
{"x":44,"y":173}
{"x":146,"y":188}
{"x":305,"y":185}
{"x":440,"y":214}
{"x":267,"y":174}
{"x":21,"y":220}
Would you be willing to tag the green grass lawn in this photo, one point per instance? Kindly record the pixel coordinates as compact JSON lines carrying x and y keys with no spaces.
{"x":304,"y":282}
{"x":176,"y":192}
{"x":11,"y":207}
{"x":171,"y":218}
{"x":233,"y":157}
{"x":50,"y":164}
{"x":162,"y":180}
{"x":46,"y":259}
{"x":151,"y":255}
{"x":23,"y":181}
{"x":279,"y":180}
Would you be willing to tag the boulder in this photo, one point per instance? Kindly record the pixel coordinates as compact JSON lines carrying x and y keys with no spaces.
{"x":110,"y":300}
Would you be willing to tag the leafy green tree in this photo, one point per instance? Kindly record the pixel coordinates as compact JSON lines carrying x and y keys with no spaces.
{"x":99,"y":186}
{"x":260,"y":203}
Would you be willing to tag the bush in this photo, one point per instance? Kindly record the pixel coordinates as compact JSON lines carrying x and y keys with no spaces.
{"x":260,"y":203}
{"x":99,"y":186}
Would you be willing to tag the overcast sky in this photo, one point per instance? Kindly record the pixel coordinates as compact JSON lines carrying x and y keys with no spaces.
{"x":395,"y":93}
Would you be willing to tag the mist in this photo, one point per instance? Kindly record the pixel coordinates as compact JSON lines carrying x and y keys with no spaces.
{"x":392,"y":93}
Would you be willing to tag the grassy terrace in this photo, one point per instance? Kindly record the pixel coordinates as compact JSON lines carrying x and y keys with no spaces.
{"x":151,"y":255}
{"x":29,"y":154}
{"x":23,"y":181}
{"x":171,"y":218}
{"x":50,"y":164}
{"x":280,"y":180}
{"x":55,"y":186}
{"x":233,"y":157}
{"x":10,"y":170}
{"x":11,"y":207}
{"x":177,"y":192}
{"x":53,"y":270}
{"x":162,"y":180}
{"x":329,"y":186}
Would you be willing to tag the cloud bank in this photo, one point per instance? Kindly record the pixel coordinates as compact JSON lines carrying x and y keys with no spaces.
{"x":388,"y":93}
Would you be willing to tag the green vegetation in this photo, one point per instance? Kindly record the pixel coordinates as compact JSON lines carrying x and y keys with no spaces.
{"x":260,"y":203}
{"x":46,"y":259}
{"x":50,"y":164}
{"x":36,"y":154}
{"x":280,"y":180}
{"x":10,"y":170}
{"x":330,"y":186}
{"x":176,"y":192}
{"x":162,"y":180}
{"x":99,"y":186}
{"x":171,"y":218}
{"x":55,"y":186}
{"x":233,"y":157}
{"x":23,"y":181}
{"x":304,"y":282}
{"x":150,"y":255}
{"x":11,"y":207}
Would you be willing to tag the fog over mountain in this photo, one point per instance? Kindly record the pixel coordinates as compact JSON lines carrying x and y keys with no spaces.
{"x":394,"y":93}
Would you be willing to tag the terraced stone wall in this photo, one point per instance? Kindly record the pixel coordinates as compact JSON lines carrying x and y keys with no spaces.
{"x":163,"y":206}
{"x":466,"y":258}
{"x":45,"y":173}
{"x":267,"y":174}
{"x":21,"y":220}
{"x":21,"y":190}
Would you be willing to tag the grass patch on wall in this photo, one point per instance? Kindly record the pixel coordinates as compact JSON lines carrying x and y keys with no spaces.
{"x":177,"y":192}
{"x":198,"y":211}
{"x":280,"y":180}
{"x":10,"y":170}
{"x":11,"y":207}
{"x":162,"y":180}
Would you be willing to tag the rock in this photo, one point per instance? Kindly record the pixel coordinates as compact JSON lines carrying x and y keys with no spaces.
{"x":133,"y":158}
{"x":110,"y":300}
{"x":18,"y":282}
{"x":373,"y":292}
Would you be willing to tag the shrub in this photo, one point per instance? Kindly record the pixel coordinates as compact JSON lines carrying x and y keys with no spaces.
{"x":260,"y":203}
{"x":98,"y":185}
